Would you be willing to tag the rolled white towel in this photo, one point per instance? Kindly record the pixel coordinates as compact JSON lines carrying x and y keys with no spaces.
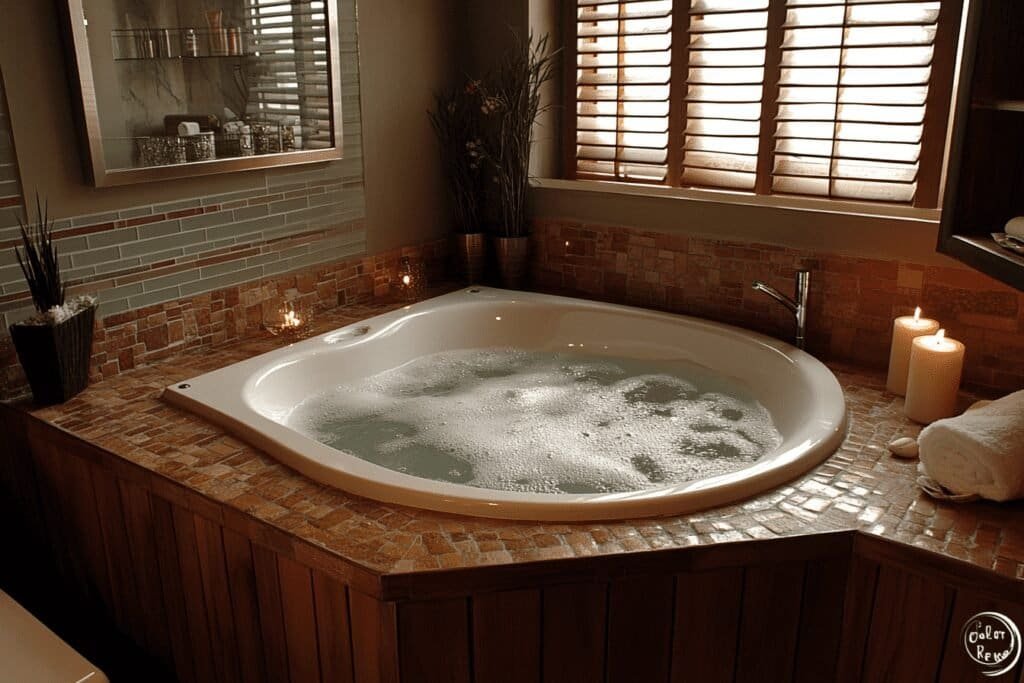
{"x":1015,"y":227}
{"x":980,"y":452}
{"x":186,"y":128}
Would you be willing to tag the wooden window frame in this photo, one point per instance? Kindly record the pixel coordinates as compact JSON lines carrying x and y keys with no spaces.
{"x":933,"y":139}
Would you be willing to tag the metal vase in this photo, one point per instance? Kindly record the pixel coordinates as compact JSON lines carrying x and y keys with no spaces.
{"x":470,"y":257}
{"x":511,"y":255}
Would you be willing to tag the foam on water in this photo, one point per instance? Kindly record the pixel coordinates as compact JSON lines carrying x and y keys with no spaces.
{"x":543,"y":422}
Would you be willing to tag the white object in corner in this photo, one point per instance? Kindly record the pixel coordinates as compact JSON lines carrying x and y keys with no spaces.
{"x":31,"y":652}
{"x":1015,"y":227}
{"x":188,"y":128}
{"x":981,"y":452}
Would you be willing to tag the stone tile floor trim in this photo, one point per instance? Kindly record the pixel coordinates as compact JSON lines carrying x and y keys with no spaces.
{"x":861,"y":487}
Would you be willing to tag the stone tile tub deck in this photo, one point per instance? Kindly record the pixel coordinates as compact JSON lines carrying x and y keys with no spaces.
{"x":861,"y":487}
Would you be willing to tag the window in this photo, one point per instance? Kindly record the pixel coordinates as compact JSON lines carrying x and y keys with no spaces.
{"x":288,"y":82}
{"x":826,"y":98}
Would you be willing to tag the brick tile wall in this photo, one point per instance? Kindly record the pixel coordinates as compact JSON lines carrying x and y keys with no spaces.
{"x":852,"y":305}
{"x":131,"y":338}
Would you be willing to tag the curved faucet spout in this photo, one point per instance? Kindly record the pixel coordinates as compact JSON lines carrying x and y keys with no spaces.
{"x":798,"y":306}
{"x":776,"y":294}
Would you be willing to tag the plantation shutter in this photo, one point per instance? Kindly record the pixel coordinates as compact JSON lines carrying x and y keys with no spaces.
{"x":845,"y":99}
{"x":852,"y":98}
{"x":623,"y":59}
{"x":724,"y":92}
{"x":289,"y":71}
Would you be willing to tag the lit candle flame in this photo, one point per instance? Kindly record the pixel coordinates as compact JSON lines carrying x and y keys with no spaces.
{"x":406,"y":280}
{"x":291,"y":319}
{"x":939,"y":336}
{"x":917,"y":314}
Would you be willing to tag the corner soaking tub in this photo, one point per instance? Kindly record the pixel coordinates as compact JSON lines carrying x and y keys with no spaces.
{"x":527,"y":406}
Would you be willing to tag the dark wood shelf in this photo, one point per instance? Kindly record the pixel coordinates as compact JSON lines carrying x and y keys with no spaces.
{"x":982,"y":253}
{"x":1001,"y":105}
{"x":985,"y":180}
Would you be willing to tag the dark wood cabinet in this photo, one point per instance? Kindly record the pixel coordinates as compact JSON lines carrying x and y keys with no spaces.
{"x":985,"y":177}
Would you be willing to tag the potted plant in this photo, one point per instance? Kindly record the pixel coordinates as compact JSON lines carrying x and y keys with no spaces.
{"x":55,"y":345}
{"x":515,"y":95}
{"x":456,"y":121}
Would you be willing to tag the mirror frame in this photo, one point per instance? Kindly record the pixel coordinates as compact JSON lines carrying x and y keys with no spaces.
{"x":92,"y":139}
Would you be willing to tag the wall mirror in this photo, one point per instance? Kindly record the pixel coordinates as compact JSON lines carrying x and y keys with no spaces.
{"x":178,"y":88}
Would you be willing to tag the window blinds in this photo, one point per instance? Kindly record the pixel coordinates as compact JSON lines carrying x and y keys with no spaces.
{"x":622,"y":89}
{"x":288,"y":80}
{"x":829,"y":98}
{"x":724,"y":89}
{"x":853,"y":88}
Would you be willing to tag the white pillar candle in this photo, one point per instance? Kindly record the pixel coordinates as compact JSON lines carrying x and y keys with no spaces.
{"x":905,"y":330}
{"x":936,"y":364}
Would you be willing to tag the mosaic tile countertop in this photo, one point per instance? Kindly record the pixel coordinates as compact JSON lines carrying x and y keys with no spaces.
{"x":860,"y":487}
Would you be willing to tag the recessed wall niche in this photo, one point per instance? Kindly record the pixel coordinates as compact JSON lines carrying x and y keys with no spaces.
{"x":194,"y":87}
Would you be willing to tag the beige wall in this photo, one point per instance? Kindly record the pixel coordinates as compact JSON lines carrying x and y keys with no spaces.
{"x":406,"y":52}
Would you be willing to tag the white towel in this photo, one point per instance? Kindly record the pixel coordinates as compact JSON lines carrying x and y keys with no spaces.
{"x":186,"y":128}
{"x":1015,"y":227}
{"x":980,"y":452}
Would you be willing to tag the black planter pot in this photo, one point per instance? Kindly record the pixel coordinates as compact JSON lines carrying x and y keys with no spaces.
{"x":56,"y":357}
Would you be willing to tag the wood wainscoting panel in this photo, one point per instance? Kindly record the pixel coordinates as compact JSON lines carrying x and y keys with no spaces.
{"x":574,"y":628}
{"x":640,"y":616}
{"x":333,"y":627}
{"x":770,"y":622}
{"x":514,"y":619}
{"x":911,"y":615}
{"x":821,"y":624}
{"x":434,"y":641}
{"x":299,"y":620}
{"x":708,"y":609}
{"x":268,"y":596}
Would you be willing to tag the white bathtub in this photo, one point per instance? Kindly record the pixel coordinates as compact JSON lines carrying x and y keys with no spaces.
{"x":252,"y":398}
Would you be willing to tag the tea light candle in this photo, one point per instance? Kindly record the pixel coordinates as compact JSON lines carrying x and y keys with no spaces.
{"x":904,"y":330}
{"x":936,"y":364}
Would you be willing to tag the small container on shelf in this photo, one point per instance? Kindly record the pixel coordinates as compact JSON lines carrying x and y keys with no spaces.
{"x":235,"y":45}
{"x":200,"y":147}
{"x":166,"y":45}
{"x":266,"y":138}
{"x":235,"y":140}
{"x":162,"y":150}
{"x":191,"y":43}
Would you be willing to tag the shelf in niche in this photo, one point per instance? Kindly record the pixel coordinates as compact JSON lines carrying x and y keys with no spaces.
{"x":982,"y":252}
{"x":1001,"y":105}
{"x":181,"y":58}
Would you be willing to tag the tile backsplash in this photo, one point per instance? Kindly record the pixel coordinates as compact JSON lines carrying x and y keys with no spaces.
{"x":852,"y":304}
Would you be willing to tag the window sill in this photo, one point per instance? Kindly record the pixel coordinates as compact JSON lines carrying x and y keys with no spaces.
{"x":787,"y":202}
{"x":816,"y":226}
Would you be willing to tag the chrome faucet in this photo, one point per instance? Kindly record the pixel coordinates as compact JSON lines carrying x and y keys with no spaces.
{"x":798,"y":307}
